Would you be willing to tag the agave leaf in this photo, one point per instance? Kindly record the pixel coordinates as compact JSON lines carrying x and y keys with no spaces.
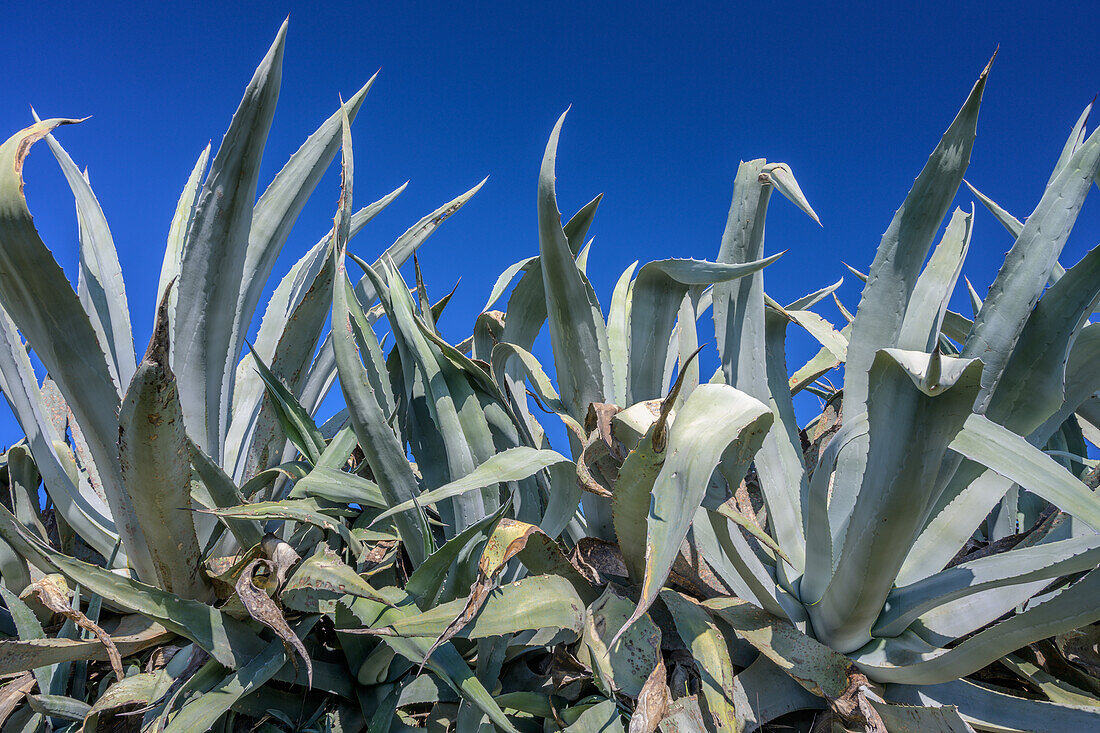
{"x":711,"y":655}
{"x":1028,"y":266}
{"x":907,"y":659}
{"x":603,"y":717}
{"x":746,"y":339}
{"x":181,"y":222}
{"x":811,"y":299}
{"x":299,"y":426}
{"x":1015,"y":567}
{"x":82,"y":510}
{"x":716,"y":421}
{"x":260,"y":607}
{"x":103,"y":290}
{"x":622,"y":661}
{"x":287,"y":339}
{"x":983,"y":441}
{"x":505,"y":279}
{"x":450,"y":401}
{"x":683,"y":716}
{"x":990,"y":709}
{"x":213,"y":260}
{"x":306,"y":511}
{"x":407,"y":243}
{"x":921,"y":325}
{"x":42,"y":304}
{"x":132,"y":634}
{"x":224,"y":494}
{"x":29,"y":628}
{"x":383,"y":452}
{"x":227,"y":640}
{"x":816,"y":667}
{"x":340,"y":487}
{"x":1055,"y":689}
{"x":916,"y":719}
{"x":656,"y":295}
{"x":618,"y":331}
{"x":512,"y":464}
{"x":577,"y":329}
{"x":323,"y":577}
{"x":546,"y":604}
{"x":904,"y":247}
{"x":59,"y":706}
{"x":763,"y":692}
{"x":503,"y":353}
{"x":204,"y":710}
{"x":156,"y":468}
{"x":445,"y":662}
{"x":925,"y":398}
{"x":440,"y":571}
{"x":821,"y":330}
{"x":1073,"y":143}
{"x":1081,"y":382}
{"x":731,"y":557}
{"x":1033,"y":384}
{"x":818,"y":365}
{"x":277,"y":210}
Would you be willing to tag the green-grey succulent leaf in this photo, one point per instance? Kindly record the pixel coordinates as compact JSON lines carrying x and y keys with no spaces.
{"x":1056,"y":690}
{"x":203,"y":711}
{"x":73,"y":499}
{"x":733,"y":560}
{"x":990,"y":709}
{"x":505,"y":279}
{"x":546,"y":604}
{"x":223,"y":494}
{"x":181,"y":222}
{"x":603,"y":717}
{"x":1081,"y":382}
{"x":133,"y":634}
{"x":815,"y":666}
{"x":716,"y":422}
{"x":1015,"y":567}
{"x":577,"y":329}
{"x":156,"y":468}
{"x":904,"y":247}
{"x":1033,"y":386}
{"x":442,"y":571}
{"x":624,"y":646}
{"x":656,"y":295}
{"x":512,"y":464}
{"x":287,"y":339}
{"x":916,"y":399}
{"x":811,"y":299}
{"x":1028,"y":267}
{"x":747,"y":338}
{"x":921,"y":325}
{"x":101,"y":287}
{"x":213,"y":259}
{"x":407,"y":243}
{"x":381,"y":449}
{"x":1007,"y":220}
{"x":908,"y":659}
{"x":306,"y":511}
{"x":445,"y":661}
{"x":227,"y":640}
{"x":296,"y":422}
{"x":764,"y":692}
{"x":42,"y":304}
{"x":504,"y":353}
{"x":985,"y":442}
{"x":618,"y":331}
{"x":338,"y":486}
{"x":278,"y":208}
{"x":1075,"y":140}
{"x":321,"y":580}
{"x":711,"y":654}
{"x":30,"y":629}
{"x":782,"y":178}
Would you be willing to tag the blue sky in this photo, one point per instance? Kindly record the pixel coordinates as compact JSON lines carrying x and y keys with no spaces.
{"x":665,"y":102}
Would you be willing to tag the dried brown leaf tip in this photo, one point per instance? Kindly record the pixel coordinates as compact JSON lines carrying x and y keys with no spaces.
{"x":260,"y":607}
{"x":52,"y":592}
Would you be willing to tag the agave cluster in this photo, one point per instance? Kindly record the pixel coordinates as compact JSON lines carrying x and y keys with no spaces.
{"x":922,"y":556}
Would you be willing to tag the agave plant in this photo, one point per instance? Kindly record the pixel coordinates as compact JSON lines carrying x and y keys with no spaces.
{"x":694,"y":560}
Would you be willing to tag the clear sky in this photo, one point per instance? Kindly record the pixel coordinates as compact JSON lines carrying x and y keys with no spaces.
{"x":665,"y":101}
